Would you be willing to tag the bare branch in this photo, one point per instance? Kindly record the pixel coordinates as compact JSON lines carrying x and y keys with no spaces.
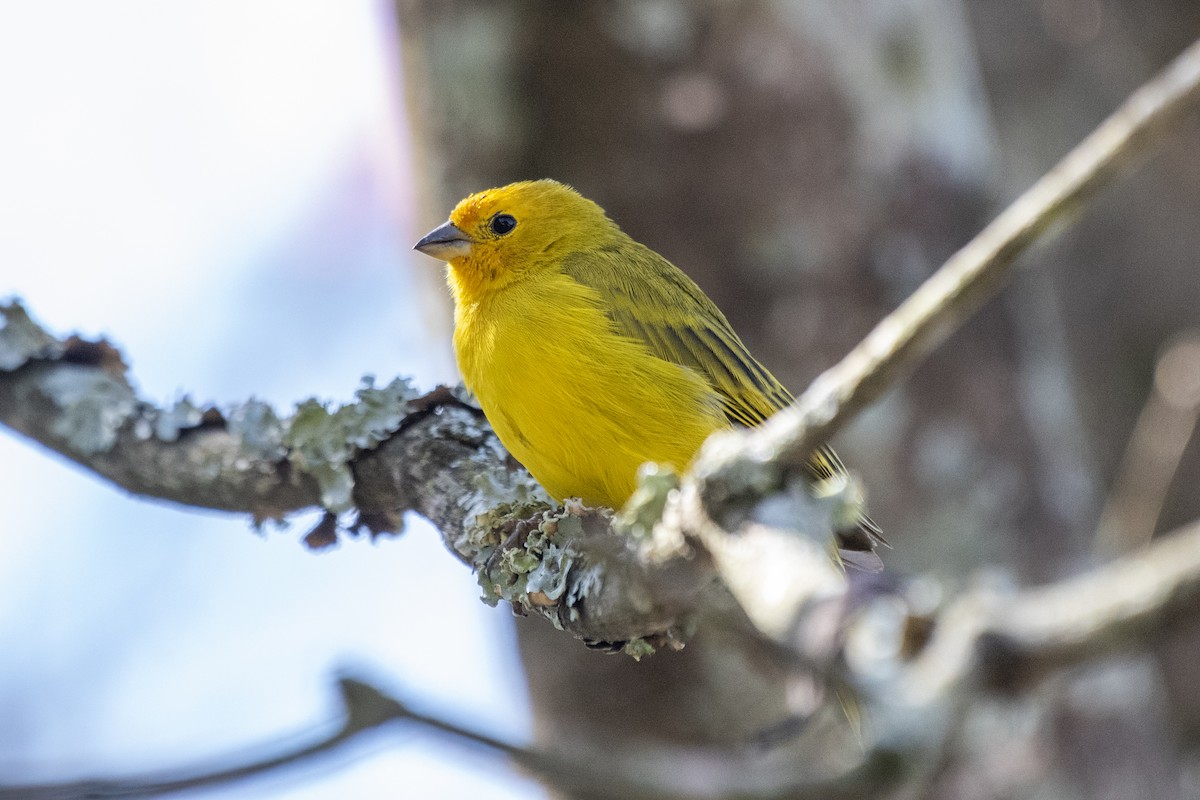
{"x":643,"y":770}
{"x":1155,"y":448}
{"x":972,"y":275}
{"x":1130,"y":601}
{"x":364,"y":708}
{"x":362,"y":711}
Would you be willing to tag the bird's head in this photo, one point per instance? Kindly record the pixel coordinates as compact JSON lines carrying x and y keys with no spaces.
{"x":498,"y":236}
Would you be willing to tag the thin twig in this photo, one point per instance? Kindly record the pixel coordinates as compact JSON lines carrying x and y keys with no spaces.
{"x":1111,"y":608}
{"x":1155,"y":448}
{"x":646,"y":770}
{"x":982,"y":643}
{"x":364,"y":710}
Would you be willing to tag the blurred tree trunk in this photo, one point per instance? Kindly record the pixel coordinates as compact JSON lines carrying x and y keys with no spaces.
{"x":809,"y":164}
{"x":1125,"y":282}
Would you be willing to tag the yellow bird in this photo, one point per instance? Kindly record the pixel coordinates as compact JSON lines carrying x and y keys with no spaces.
{"x":591,"y":354}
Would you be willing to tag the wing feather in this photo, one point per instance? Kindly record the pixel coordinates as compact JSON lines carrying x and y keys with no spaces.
{"x":644,"y":293}
{"x":649,"y":299}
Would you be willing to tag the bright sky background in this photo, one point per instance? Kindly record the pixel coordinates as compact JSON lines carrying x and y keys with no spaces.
{"x":223,"y":188}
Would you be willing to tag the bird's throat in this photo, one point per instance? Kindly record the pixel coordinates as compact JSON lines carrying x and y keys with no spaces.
{"x":476,"y":278}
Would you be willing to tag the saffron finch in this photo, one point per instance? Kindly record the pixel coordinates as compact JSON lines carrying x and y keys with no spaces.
{"x":591,"y":354}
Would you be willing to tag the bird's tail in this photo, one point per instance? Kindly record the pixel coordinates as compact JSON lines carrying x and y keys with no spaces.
{"x":857,"y":539}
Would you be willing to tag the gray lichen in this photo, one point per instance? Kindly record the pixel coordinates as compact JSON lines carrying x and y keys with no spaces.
{"x":540,"y":568}
{"x":493,"y":496}
{"x":645,"y":507}
{"x":169,"y":423}
{"x":95,"y":405}
{"x":259,"y":428}
{"x":322,"y":442}
{"x":22,"y":339}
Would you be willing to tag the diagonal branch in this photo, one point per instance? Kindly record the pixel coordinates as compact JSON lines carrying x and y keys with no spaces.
{"x":971,"y":277}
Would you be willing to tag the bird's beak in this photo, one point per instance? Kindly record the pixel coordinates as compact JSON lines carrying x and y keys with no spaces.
{"x":446,"y":241}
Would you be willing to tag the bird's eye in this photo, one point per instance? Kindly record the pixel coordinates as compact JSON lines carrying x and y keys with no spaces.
{"x":502,"y":224}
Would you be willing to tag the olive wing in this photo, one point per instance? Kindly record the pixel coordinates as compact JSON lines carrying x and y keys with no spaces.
{"x":650,"y":299}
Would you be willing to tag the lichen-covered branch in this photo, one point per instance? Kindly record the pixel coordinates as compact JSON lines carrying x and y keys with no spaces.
{"x":74,"y":397}
{"x":366,"y":463}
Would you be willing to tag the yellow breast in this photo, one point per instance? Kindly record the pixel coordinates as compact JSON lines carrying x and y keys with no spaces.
{"x":580,"y":406}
